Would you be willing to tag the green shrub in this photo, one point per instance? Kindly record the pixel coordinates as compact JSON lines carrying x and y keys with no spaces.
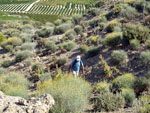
{"x":113,"y":39}
{"x":9,"y":48}
{"x":26,"y":37}
{"x":102,"y":87}
{"x":129,"y":96}
{"x":94,"y":22}
{"x":93,"y":52}
{"x":27,"y":46}
{"x":135,"y":31}
{"x":58,"y":22}
{"x":14,"y":84}
{"x":50,"y":45}
{"x":28,"y":62}
{"x":23,"y":55}
{"x":93,"y":12}
{"x":84,"y":49}
{"x":68,"y":46}
{"x":148,"y":43}
{"x":141,"y":84}
{"x":70,"y":34}
{"x":46,"y":32}
{"x":134,"y":43}
{"x":145,"y":57}
{"x":124,"y":81}
{"x":2,"y":38}
{"x":48,"y":24}
{"x":62,"y":61}
{"x":143,"y":104}
{"x":37,"y":67}
{"x":77,"y":18}
{"x":140,"y":4}
{"x":118,"y":57}
{"x":99,"y":3}
{"x":70,"y":94}
{"x":45,"y":76}
{"x":6,"y":63}
{"x":3,"y":71}
{"x":95,"y":40}
{"x":62,"y":28}
{"x":129,"y":12}
{"x":14,"y":41}
{"x":110,"y":102}
{"x":112,"y":24}
{"x":78,"y":29}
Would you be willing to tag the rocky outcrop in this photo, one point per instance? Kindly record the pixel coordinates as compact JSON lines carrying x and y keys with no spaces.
{"x":11,"y":104}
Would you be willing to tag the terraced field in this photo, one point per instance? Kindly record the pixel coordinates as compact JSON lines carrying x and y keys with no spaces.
{"x":35,"y":8}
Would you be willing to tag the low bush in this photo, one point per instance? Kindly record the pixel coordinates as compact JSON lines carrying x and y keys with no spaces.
{"x":62,"y":61}
{"x":94,"y":22}
{"x":37,"y":67}
{"x":143,"y":104}
{"x":134,"y":44}
{"x":118,"y":57}
{"x":95,"y":40}
{"x":23,"y":55}
{"x":113,"y":39}
{"x":3,"y":71}
{"x":148,"y":43}
{"x":145,"y":57}
{"x":141,"y":84}
{"x":109,"y":102}
{"x":68,"y":46}
{"x":45,"y":76}
{"x":129,"y":96}
{"x":70,"y":94}
{"x":93,"y":52}
{"x":112,"y":24}
{"x":50,"y":45}
{"x":27,"y":46}
{"x":102,"y":87}
{"x":58,"y":22}
{"x":135,"y":31}
{"x":129,"y":12}
{"x":93,"y":12}
{"x":28,"y":62}
{"x":78,"y":29}
{"x":6,"y":63}
{"x":62,"y":28}
{"x":46,"y":32}
{"x":84,"y":49}
{"x":9,"y":48}
{"x":14,"y":41}
{"x":124,"y":81}
{"x":14,"y":84}
{"x":2,"y":38}
{"x":70,"y":34}
{"x":26,"y":37}
{"x":76,"y":19}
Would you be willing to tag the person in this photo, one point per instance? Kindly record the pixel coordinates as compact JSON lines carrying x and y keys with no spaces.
{"x":75,"y":66}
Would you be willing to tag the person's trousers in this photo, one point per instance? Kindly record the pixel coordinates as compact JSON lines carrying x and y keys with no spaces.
{"x":75,"y":73}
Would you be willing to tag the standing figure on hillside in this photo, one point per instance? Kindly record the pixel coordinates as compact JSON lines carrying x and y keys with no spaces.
{"x":75,"y":66}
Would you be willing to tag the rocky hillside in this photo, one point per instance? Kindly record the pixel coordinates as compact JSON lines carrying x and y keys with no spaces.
{"x":113,"y":39}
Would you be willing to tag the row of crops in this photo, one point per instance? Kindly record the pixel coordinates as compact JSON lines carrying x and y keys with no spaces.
{"x":69,"y":9}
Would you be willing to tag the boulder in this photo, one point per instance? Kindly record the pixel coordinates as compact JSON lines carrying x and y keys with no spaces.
{"x":12,"y":104}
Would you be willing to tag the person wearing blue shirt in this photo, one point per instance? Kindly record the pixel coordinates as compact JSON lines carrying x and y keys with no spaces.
{"x":75,"y":66}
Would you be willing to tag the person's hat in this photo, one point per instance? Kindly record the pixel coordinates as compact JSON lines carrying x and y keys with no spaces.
{"x":78,"y":58}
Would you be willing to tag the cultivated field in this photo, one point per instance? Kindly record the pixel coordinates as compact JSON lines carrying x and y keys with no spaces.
{"x":37,"y":8}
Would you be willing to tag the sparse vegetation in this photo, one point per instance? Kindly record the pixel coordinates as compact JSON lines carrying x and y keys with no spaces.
{"x":112,"y":38}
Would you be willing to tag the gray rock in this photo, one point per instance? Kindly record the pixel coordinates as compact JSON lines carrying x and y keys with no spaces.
{"x":11,"y":104}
